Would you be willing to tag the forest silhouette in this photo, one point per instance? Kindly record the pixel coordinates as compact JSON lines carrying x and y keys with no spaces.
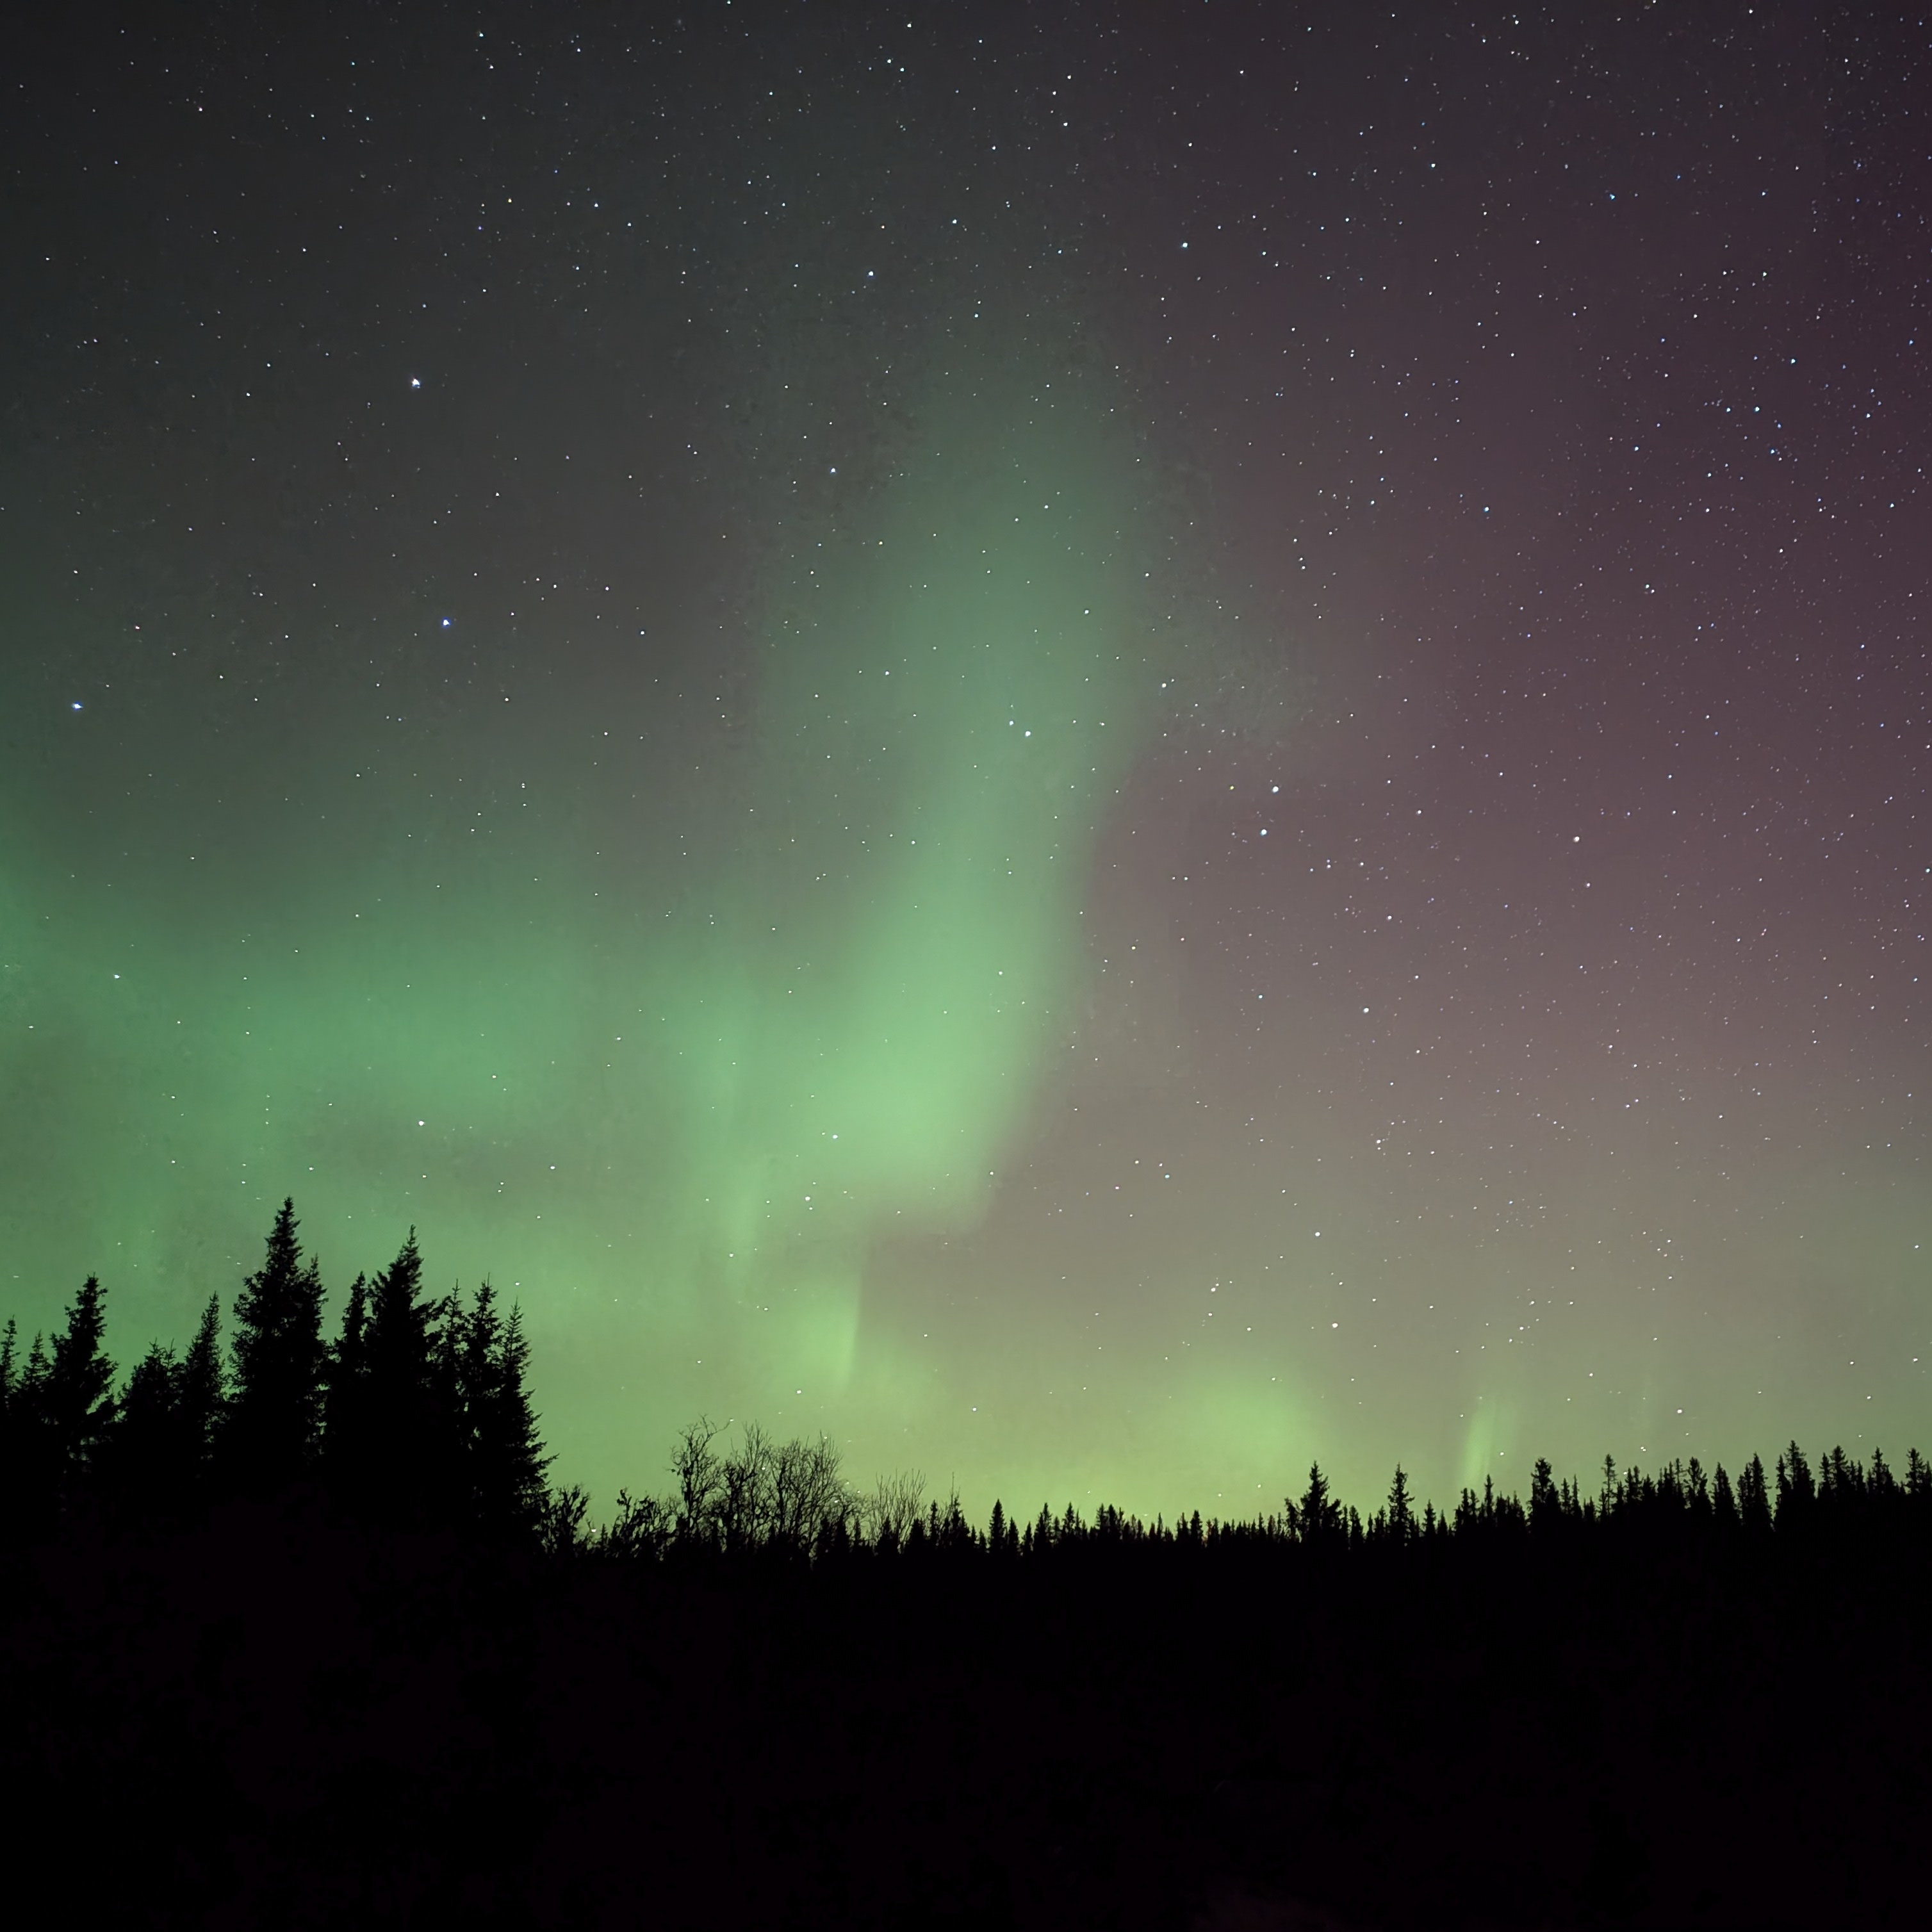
{"x":300,"y":1633}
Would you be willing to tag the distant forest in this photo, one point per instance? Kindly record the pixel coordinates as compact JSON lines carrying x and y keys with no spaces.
{"x":418,"y":1413}
{"x":299,"y":1631}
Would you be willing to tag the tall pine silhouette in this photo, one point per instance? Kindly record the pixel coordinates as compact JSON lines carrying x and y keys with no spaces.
{"x":345,"y":1437}
{"x":503,"y":1452}
{"x":403,"y":1457}
{"x":274,"y":1420}
{"x":57,"y":1411}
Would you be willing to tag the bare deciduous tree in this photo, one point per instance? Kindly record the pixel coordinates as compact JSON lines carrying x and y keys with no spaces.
{"x":897,"y":1502}
{"x":695,"y":1464}
{"x":746,"y":1482}
{"x":642,"y":1528}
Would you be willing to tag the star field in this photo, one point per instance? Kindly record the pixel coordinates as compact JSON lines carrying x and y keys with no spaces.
{"x":1104,"y":748}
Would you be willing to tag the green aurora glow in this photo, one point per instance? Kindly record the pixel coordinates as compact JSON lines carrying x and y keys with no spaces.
{"x":816,"y":1023}
{"x":986,"y":736}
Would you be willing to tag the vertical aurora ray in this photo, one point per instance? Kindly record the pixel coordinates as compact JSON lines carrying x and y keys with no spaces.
{"x":948,"y":694}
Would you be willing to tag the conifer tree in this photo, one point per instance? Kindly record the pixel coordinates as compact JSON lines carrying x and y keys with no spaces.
{"x":345,"y":1413}
{"x":404,"y":1457}
{"x":1545,"y":1503}
{"x":163,"y":1438}
{"x":1698,"y":1492}
{"x":273,"y":1423}
{"x":1317,"y":1516}
{"x":1796,"y":1490}
{"x":27,"y":1472}
{"x":502,"y":1450}
{"x":1754,"y":1498}
{"x":1723,"y":1504}
{"x":12,"y":1408}
{"x":1841,"y":1482}
{"x":146,"y":1447}
{"x":34,"y":1382}
{"x":76,"y":1394}
{"x":1402,"y":1506}
{"x":200,"y":1390}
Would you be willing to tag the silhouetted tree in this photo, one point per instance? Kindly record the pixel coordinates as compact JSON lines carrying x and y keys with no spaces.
{"x":1796,"y":1490}
{"x":13,"y":1425}
{"x":560,"y":1533}
{"x":1723,"y":1504}
{"x":1753,"y":1499}
{"x":1698,"y":1492}
{"x":144,"y":1456}
{"x":1545,"y":1502}
{"x":1401,"y":1518}
{"x":1002,"y":1536}
{"x":643,"y":1528}
{"x":1317,"y":1518}
{"x":743,"y":1500}
{"x":345,"y":1432}
{"x":10,"y":1372}
{"x":695,"y":1464}
{"x":159,"y":1454}
{"x":272,"y":1427}
{"x":1841,"y":1487}
{"x":75,"y":1397}
{"x":503,"y":1452}
{"x":404,"y":1462}
{"x":201,"y":1395}
{"x":889,"y":1513}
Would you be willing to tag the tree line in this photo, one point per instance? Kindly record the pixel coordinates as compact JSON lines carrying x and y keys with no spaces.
{"x":761,"y":1495}
{"x":419,"y":1412}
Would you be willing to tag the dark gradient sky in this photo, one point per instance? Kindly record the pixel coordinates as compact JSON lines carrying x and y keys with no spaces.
{"x":1104,"y":746}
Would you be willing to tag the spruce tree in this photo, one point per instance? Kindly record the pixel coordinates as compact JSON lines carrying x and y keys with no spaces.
{"x":1545,"y":1503}
{"x":273,"y":1423}
{"x":1796,"y":1490}
{"x":76,"y":1398}
{"x":13,"y":1411}
{"x":345,"y":1430}
{"x":1318,"y":1517}
{"x":200,"y":1392}
{"x":1723,"y":1504}
{"x":1754,"y":1498}
{"x":146,"y":1450}
{"x":503,"y":1451}
{"x":404,"y":1465}
{"x":1698,"y":1494}
{"x":28,"y":1485}
{"x":1402,"y":1505}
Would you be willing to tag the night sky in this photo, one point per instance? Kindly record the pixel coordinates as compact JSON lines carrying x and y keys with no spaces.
{"x":1103,"y":746}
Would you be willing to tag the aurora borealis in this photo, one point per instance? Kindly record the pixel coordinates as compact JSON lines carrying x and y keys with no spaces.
{"x":1104,"y":747}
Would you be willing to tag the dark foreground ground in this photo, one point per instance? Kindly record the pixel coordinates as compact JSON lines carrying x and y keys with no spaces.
{"x":270,"y":1722}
